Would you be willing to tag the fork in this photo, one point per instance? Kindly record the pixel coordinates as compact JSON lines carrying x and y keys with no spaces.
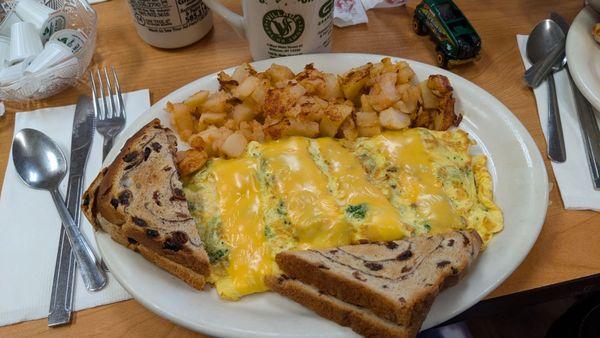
{"x":109,"y":120}
{"x":110,"y":115}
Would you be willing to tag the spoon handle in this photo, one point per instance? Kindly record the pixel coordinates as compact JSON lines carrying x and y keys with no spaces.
{"x":94,"y":278}
{"x":556,"y":142}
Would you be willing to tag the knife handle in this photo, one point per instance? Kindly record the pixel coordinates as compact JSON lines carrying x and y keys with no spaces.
{"x":556,"y":142}
{"x":539,"y":71}
{"x":589,"y":132}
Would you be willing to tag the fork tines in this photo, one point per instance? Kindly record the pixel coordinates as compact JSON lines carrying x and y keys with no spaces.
{"x":109,"y":105}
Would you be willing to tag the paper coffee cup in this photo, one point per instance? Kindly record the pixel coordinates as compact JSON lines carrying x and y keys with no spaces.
{"x":10,"y":19}
{"x":13,"y":73}
{"x":4,"y":50}
{"x":53,"y":53}
{"x":34,"y":12}
{"x":73,"y":38}
{"x":25,"y":42}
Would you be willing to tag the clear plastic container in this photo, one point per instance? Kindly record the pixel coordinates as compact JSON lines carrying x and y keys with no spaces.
{"x":35,"y":86}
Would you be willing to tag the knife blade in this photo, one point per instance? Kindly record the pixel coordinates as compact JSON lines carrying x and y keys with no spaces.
{"x":587,"y":118}
{"x":61,"y":300}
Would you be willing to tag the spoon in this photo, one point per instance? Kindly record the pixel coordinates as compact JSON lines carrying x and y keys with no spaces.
{"x":542,"y":40}
{"x":42,"y":165}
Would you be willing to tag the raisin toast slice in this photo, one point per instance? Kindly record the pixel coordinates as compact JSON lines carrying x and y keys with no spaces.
{"x":358,"y":319}
{"x":139,"y":201}
{"x":397,"y":281}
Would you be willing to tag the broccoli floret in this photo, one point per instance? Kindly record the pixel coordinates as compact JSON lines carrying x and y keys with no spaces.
{"x":268,"y":232}
{"x":358,"y":211}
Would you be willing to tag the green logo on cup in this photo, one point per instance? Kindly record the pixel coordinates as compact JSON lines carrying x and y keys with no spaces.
{"x":283,"y":27}
{"x":326,"y":9}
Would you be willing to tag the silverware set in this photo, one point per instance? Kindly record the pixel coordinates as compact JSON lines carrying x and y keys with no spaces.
{"x":42,"y":165}
{"x":546,"y":51}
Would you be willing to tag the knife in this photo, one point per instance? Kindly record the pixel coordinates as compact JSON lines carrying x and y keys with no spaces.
{"x":61,"y":300}
{"x":587,"y":118}
{"x":538,"y":72}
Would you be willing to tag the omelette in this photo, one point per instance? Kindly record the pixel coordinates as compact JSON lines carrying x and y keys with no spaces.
{"x":301,"y":193}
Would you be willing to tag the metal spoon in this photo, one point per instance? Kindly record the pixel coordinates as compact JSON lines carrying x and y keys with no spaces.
{"x":541,"y":42}
{"x":42,"y":165}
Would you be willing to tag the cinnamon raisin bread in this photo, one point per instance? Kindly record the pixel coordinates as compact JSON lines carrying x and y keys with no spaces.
{"x":357,"y":318}
{"x":139,"y":201}
{"x":396,"y":281}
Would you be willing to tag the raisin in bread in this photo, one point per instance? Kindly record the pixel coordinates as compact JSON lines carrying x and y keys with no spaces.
{"x":139,"y":201}
{"x":396,"y":281}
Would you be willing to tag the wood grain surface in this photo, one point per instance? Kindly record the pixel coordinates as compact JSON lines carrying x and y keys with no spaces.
{"x":568,"y":245}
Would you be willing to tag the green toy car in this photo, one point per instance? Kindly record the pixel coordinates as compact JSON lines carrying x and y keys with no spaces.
{"x":457,"y":42}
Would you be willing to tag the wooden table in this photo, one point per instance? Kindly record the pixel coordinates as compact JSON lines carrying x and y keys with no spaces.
{"x":568,"y":245}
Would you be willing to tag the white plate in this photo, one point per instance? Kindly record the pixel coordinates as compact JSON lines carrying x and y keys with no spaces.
{"x":583,"y":55}
{"x":521,"y":190}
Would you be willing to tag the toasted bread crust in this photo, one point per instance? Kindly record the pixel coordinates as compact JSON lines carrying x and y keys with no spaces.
{"x":191,"y":277}
{"x":358,"y":319}
{"x":164,"y":233}
{"x":353,"y":285}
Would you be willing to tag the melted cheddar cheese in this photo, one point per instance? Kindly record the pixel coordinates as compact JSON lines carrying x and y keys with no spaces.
{"x":301,"y":193}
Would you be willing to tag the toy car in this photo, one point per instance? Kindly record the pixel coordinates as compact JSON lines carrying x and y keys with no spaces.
{"x":456,"y":40}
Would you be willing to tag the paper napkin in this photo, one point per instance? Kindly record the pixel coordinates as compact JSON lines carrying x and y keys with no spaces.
{"x":573,"y":176}
{"x":353,"y":12}
{"x":30,"y":225}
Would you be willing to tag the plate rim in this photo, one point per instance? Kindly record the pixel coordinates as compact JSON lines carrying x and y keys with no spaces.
{"x":572,"y":52}
{"x":527,"y":139}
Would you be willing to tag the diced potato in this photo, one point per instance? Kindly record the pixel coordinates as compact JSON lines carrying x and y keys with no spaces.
{"x":309,"y":107}
{"x":197,"y":142}
{"x":354,"y":81}
{"x":383,"y":94}
{"x":348,"y":129}
{"x":195,"y":101}
{"x":393,"y":119}
{"x":190,"y":161}
{"x":252,"y":131}
{"x":366,"y":119}
{"x":182,"y":119}
{"x":364,"y":104}
{"x":213,"y":118}
{"x":411,"y":98}
{"x":302,"y":128}
{"x":430,"y":100}
{"x":226,"y":83}
{"x":246,"y":87}
{"x":242,"y":72}
{"x":216,"y":103}
{"x":279,"y":73}
{"x":369,"y":131}
{"x":243,"y":112}
{"x":333,"y":118}
{"x":259,"y":94}
{"x":234,"y":145}
{"x":231,"y":124}
{"x":278,"y":101}
{"x":332,"y":88}
{"x":402,"y":88}
{"x":405,"y":74}
{"x":439,"y":85}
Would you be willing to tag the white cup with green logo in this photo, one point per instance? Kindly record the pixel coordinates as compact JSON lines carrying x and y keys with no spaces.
{"x":276,"y":28}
